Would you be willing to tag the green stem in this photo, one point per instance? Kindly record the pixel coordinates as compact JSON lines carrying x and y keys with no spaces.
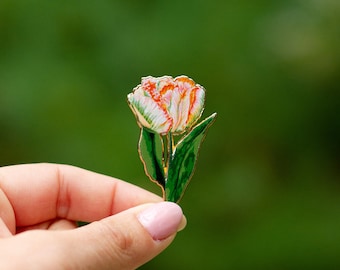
{"x":164,"y":150}
{"x":168,"y":154}
{"x":170,"y":141}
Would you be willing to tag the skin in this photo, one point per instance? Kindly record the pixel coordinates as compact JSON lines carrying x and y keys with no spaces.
{"x":39,"y":204}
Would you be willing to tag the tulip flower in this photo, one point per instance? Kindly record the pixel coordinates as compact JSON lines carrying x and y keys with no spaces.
{"x":167,"y":107}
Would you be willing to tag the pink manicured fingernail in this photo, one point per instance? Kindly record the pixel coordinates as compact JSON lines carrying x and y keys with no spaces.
{"x":161,"y":220}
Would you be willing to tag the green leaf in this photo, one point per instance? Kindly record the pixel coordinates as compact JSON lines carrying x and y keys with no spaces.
{"x":150,"y":153}
{"x":183,"y":161}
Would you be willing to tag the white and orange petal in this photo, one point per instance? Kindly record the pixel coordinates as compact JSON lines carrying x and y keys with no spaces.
{"x":174,"y":110}
{"x":191,"y":104}
{"x":148,"y":112}
{"x":156,"y":87}
{"x":197,"y":99}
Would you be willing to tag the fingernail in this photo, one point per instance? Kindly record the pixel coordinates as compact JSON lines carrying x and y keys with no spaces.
{"x":162,"y":219}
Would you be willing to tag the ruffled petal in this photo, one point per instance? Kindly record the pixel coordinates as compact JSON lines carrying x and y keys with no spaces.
{"x":175,"y":110}
{"x":197,"y":99}
{"x":149,"y":113}
{"x":190,"y":105}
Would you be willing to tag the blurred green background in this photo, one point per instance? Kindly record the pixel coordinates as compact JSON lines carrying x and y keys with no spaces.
{"x":266,"y":192}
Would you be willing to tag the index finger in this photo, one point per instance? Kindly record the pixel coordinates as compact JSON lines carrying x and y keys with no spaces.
{"x":40,"y":192}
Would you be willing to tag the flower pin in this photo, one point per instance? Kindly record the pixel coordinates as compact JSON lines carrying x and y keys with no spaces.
{"x":167,"y":110}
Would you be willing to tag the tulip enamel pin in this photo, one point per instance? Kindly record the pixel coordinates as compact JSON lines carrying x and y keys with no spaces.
{"x":167,"y":110}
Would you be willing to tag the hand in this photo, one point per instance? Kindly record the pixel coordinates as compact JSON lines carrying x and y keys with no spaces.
{"x":39,"y":204}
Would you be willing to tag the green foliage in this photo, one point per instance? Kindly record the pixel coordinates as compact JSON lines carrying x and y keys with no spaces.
{"x":151,"y":156}
{"x":183,"y":160}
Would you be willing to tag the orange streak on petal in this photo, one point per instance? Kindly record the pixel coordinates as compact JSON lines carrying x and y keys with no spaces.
{"x":185,"y":79}
{"x":193,"y":113}
{"x":166,"y":88}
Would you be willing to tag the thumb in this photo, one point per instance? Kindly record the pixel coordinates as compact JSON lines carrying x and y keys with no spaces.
{"x":128,"y":239}
{"x":122,"y":241}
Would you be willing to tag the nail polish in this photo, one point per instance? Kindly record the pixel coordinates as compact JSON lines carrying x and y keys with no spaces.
{"x":162,"y":219}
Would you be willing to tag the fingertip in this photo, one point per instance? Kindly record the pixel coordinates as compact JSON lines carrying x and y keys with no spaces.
{"x":162,"y":220}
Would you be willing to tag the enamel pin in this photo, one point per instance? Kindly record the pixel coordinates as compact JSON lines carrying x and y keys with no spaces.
{"x":167,"y":111}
